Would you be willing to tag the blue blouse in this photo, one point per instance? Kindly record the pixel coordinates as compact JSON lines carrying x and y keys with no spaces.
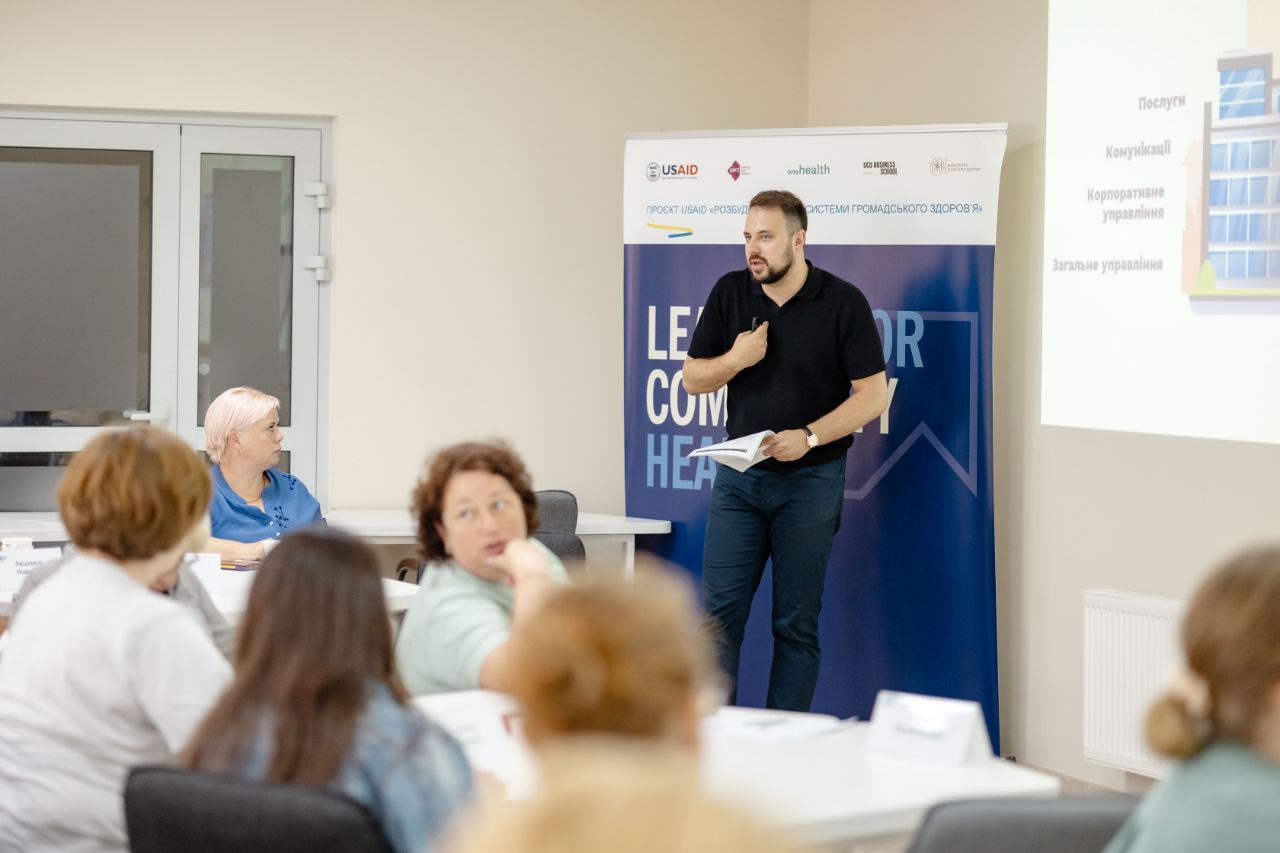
{"x":287,"y":504}
{"x":410,"y":772}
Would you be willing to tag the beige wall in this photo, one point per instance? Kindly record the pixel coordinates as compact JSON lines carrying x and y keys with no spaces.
{"x":478,"y":205}
{"x":1075,"y":509}
{"x":477,"y":158}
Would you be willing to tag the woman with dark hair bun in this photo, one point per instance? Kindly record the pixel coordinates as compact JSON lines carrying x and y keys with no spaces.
{"x":316,"y":699}
{"x":1222,"y":720}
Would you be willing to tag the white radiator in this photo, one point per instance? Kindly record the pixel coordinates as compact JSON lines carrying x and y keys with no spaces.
{"x":1131,"y":651}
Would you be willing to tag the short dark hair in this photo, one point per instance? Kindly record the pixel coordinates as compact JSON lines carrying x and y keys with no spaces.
{"x":428,"y":495}
{"x":791,"y":205}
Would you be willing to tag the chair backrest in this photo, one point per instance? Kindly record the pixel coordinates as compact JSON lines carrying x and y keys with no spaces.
{"x":1023,"y":825}
{"x":168,"y":809}
{"x":558,"y":523}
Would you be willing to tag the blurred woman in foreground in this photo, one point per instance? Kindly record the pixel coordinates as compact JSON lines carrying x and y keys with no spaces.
{"x":1222,"y":722}
{"x":610,"y":676}
{"x":100,"y":673}
{"x":316,"y":699}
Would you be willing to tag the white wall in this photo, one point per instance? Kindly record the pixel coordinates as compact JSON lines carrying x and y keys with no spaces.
{"x":478,"y":209}
{"x":478,"y":281}
{"x":1075,"y":509}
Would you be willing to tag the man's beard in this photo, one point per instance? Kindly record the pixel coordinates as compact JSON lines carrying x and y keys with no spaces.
{"x":774,"y":275}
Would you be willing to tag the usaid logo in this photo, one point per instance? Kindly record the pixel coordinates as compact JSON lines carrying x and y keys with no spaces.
{"x":671,"y":171}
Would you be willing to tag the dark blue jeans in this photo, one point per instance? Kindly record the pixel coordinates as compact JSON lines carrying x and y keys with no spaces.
{"x":792,"y":517}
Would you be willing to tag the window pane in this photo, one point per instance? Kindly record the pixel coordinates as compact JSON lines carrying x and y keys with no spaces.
{"x":1242,"y":75}
{"x":1218,"y":157}
{"x":1260,"y":155}
{"x":1218,"y":192}
{"x":246,"y":277}
{"x":75,"y":269}
{"x":1238,"y":231}
{"x":28,"y":480}
{"x":1239,"y":191}
{"x":1218,"y":260}
{"x":1257,"y":227}
{"x":1217,"y":229}
{"x":1242,"y":109}
{"x":1236,"y":264}
{"x":1257,"y":265}
{"x":1239,"y":155}
{"x":1257,"y":191}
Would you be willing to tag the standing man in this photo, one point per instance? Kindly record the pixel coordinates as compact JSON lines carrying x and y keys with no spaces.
{"x":790,"y":341}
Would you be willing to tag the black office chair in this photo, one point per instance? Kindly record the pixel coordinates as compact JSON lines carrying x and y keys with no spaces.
{"x":168,"y":809}
{"x":1023,"y":825}
{"x":558,"y":523}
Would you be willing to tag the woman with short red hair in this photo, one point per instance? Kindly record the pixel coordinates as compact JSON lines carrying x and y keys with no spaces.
{"x":100,"y":673}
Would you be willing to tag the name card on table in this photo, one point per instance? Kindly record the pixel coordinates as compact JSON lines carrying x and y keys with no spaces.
{"x":929,"y":729}
{"x":16,"y":565}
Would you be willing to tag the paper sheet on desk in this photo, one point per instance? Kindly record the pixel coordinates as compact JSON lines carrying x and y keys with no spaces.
{"x":767,"y":726}
{"x":738,"y":453}
{"x":487,"y":726}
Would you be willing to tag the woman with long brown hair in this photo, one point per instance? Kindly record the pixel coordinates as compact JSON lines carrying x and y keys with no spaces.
{"x":316,"y":699}
{"x":1222,"y":721}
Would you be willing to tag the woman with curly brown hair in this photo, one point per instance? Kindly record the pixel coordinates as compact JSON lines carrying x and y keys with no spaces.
{"x":476,"y":510}
{"x":1222,"y":721}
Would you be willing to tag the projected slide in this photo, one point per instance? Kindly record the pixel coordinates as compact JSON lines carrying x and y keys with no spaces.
{"x":1162,"y":218}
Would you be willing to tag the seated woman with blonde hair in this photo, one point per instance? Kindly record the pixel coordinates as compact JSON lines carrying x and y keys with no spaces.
{"x":610,"y":678}
{"x":254,"y":502}
{"x":1222,"y":721}
{"x":100,"y":673}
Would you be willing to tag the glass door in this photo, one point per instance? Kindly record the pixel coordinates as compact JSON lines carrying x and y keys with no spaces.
{"x":88,"y":269}
{"x":248,"y":305}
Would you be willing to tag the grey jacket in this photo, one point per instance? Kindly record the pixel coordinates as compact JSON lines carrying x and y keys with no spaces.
{"x":188,"y":591}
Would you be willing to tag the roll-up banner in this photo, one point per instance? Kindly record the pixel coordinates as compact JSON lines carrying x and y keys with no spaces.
{"x":908,"y":214}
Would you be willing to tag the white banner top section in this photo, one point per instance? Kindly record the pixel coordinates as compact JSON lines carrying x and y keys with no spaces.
{"x":870,"y":186}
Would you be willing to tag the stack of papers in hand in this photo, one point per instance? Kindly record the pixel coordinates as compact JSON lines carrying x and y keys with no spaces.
{"x":739,"y":453}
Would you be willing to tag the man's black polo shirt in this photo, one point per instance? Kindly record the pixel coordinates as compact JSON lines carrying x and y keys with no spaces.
{"x":821,"y":340}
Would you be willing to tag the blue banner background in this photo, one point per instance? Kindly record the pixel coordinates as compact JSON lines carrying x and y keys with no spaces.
{"x":910,"y":594}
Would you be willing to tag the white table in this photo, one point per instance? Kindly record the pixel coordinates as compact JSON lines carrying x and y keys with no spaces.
{"x":230,"y":590}
{"x":399,"y":527}
{"x":377,"y":526}
{"x":37,"y":526}
{"x":807,"y":774}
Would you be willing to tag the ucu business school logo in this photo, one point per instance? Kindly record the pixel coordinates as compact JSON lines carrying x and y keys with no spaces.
{"x":671,"y":171}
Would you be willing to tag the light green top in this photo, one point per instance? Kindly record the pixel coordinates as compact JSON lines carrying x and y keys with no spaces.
{"x":453,"y":624}
{"x":1227,"y":798}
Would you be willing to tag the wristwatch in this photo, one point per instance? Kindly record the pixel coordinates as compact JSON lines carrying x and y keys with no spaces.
{"x":809,"y":437}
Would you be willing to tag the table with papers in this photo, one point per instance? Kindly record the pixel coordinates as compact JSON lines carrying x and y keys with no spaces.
{"x":808,"y":774}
